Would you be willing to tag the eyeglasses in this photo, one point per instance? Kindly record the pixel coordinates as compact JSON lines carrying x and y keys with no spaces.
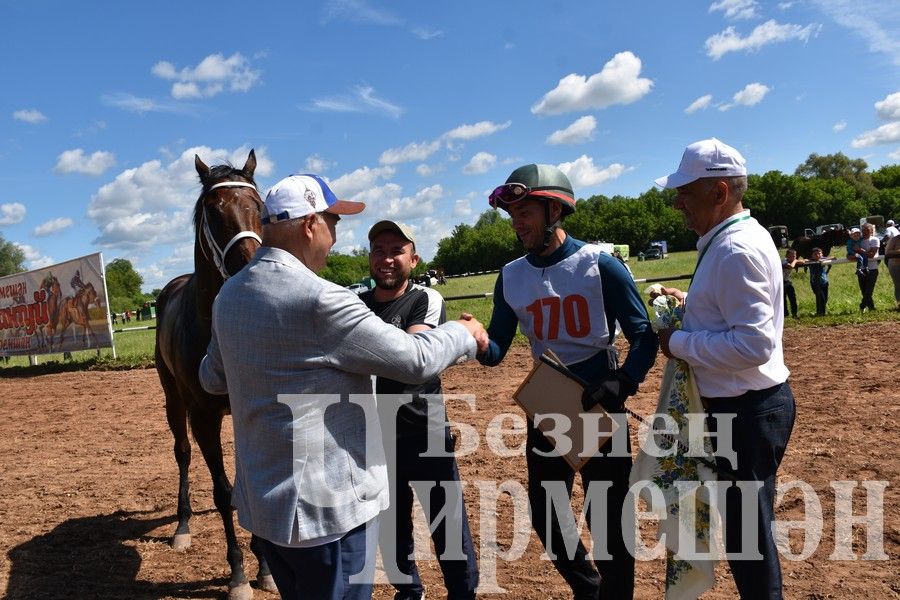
{"x":508,"y":193}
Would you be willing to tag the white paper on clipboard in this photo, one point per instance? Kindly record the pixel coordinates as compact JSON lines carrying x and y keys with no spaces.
{"x":547,"y":391}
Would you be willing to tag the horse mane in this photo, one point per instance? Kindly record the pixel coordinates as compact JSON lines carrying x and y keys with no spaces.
{"x":217,"y":174}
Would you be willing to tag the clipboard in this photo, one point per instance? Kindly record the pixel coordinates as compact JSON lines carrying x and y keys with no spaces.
{"x":550,"y":389}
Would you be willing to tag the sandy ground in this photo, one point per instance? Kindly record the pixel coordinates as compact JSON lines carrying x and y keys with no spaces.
{"x":87,"y":499}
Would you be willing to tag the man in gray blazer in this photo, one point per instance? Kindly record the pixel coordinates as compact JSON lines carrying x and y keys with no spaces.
{"x":295,"y":354}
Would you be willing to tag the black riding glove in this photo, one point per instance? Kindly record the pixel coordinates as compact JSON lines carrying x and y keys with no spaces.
{"x":609,"y":392}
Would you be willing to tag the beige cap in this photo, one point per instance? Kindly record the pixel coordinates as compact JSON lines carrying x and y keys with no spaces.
{"x":382,"y":226}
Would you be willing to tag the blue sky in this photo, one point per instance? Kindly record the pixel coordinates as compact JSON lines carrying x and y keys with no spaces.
{"x":417,"y":108}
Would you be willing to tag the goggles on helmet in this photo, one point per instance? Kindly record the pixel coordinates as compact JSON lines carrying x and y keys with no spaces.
{"x":508,"y":193}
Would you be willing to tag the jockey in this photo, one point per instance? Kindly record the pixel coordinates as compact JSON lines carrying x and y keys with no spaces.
{"x":76,"y":282}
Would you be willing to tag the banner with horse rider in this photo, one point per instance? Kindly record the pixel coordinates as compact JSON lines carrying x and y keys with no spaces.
{"x":59,"y":308}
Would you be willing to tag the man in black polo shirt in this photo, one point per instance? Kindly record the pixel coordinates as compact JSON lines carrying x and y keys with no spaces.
{"x":413,"y":308}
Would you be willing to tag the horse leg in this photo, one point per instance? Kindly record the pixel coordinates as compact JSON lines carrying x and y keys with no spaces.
{"x":264,"y":578}
{"x":176,"y":415}
{"x":207,"y":428}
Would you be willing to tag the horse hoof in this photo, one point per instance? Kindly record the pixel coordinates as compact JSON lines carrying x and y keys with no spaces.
{"x":242,"y":591}
{"x":181,"y":541}
{"x":267,"y":583}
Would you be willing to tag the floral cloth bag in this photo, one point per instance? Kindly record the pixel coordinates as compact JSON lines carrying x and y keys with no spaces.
{"x":678,"y":397}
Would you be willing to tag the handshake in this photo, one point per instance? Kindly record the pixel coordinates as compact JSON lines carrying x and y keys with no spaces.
{"x":477,"y":330}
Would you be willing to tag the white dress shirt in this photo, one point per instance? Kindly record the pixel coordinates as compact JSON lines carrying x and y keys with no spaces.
{"x":734,"y":313}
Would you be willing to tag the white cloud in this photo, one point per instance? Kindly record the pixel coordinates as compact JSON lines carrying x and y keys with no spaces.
{"x":152,"y":204}
{"x":839,"y":126}
{"x":462,"y":208}
{"x":582,"y":130}
{"x":52,"y":226}
{"x":582,"y":172}
{"x":75,"y":161}
{"x":895,"y":154}
{"x":617,"y":83}
{"x":210,"y":77}
{"x":886,"y":134}
{"x":34,"y":259}
{"x":356,"y":11}
{"x":316,"y":164}
{"x":752,"y":94}
{"x":785,"y":5}
{"x":12,"y":213}
{"x":476,"y":130}
{"x":377,"y":195}
{"x":425,"y":170}
{"x":428,"y":233}
{"x":480,"y":163}
{"x":139,"y":105}
{"x":29,"y":115}
{"x":410,"y":207}
{"x":736,"y":9}
{"x":769,"y":32}
{"x":360,"y":11}
{"x":350,"y":185}
{"x":876,"y":21}
{"x":361,"y":100}
{"x":415,"y":151}
{"x":700,"y":103}
{"x":889,"y":108}
{"x":426,"y":34}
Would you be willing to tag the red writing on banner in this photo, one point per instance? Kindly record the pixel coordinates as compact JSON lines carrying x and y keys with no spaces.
{"x":30,"y":316}
{"x":13,"y":290}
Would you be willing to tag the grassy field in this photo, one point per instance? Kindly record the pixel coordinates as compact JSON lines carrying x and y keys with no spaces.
{"x":843,"y":293}
{"x":135,"y":348}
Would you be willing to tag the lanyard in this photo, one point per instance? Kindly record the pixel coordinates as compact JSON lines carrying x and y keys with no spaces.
{"x":709,"y":243}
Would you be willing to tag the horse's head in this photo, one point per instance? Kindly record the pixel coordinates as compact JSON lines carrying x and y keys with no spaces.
{"x":227,"y":217}
{"x":90,"y":294}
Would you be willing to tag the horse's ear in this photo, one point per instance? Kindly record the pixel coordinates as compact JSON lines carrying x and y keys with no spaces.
{"x":202,"y":169}
{"x":250,"y":165}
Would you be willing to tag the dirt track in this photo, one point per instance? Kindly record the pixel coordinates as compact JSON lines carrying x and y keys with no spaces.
{"x":88,"y":486}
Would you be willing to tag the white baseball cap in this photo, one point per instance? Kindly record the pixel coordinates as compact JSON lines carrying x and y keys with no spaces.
{"x":855,"y":230}
{"x":890,"y":223}
{"x":296,"y":196}
{"x":706,"y":158}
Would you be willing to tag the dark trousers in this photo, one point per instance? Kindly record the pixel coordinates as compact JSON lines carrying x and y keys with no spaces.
{"x":867,"y":287}
{"x":460,"y":576}
{"x":820,"y":291}
{"x":322,"y":572}
{"x":790,"y":299}
{"x":615,"y":579}
{"x":760,"y":434}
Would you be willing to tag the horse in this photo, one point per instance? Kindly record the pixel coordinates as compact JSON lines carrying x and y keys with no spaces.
{"x":74,"y":309}
{"x":227,"y":231}
{"x":825,"y":240}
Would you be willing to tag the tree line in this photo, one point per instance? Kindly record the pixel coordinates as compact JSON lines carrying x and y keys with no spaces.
{"x":824,"y":189}
{"x":829,"y":188}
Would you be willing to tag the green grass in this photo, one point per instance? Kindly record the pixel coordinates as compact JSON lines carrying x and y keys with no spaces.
{"x":135,"y":348}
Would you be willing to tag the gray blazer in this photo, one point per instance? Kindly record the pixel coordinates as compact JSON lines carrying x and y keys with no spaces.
{"x":295,"y":354}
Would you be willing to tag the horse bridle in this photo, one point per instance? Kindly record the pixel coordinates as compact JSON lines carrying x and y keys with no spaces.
{"x":218,"y":253}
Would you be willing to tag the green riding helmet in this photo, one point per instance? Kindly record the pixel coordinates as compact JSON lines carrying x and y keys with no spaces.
{"x":538,"y":182}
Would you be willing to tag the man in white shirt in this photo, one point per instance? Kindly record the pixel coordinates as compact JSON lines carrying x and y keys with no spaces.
{"x":891,"y":230}
{"x":731,"y":337}
{"x":869,"y":277}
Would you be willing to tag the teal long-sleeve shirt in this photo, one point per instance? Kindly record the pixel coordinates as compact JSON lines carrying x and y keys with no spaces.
{"x":622,"y":304}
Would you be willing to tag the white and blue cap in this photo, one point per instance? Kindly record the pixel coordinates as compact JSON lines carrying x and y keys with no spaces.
{"x":296,"y":196}
{"x":706,"y":158}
